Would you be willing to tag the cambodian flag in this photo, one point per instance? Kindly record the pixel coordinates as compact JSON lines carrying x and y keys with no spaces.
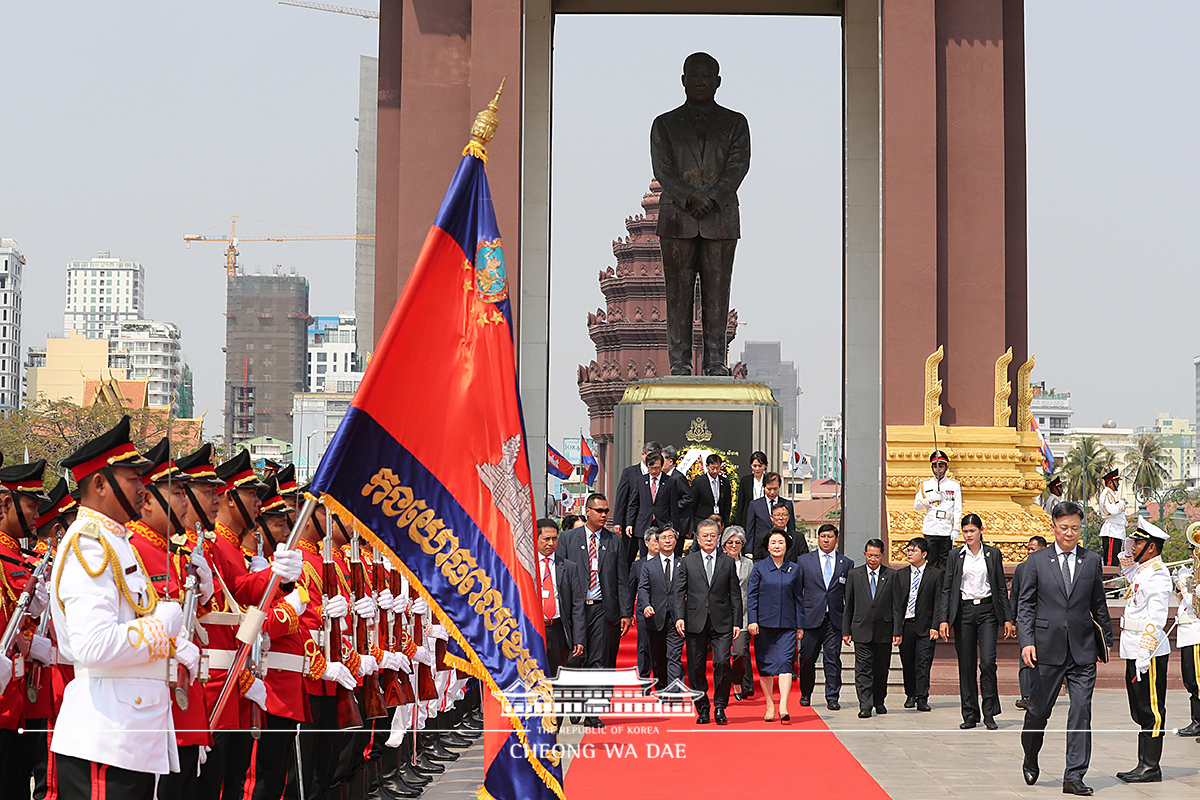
{"x":558,"y":465}
{"x":1047,"y":456}
{"x":588,"y":460}
{"x":431,"y":462}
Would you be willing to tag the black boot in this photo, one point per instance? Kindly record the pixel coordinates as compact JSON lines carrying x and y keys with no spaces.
{"x":1191,"y":730}
{"x":1140,"y":769}
{"x":389,"y":784}
{"x":427,"y":767}
{"x":438,"y":752}
{"x":1150,"y":771}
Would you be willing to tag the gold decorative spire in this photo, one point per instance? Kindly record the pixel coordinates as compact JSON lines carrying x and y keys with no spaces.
{"x":484,"y":129}
{"x":933,"y":387}
{"x":1003,"y":389}
{"x":1024,"y":396}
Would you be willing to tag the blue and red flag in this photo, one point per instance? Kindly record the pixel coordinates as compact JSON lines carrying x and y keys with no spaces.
{"x":431,"y":462}
{"x":558,"y":465}
{"x":588,"y":461}
{"x":1047,"y":456}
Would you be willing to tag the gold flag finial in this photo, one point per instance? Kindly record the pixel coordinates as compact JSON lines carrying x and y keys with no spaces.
{"x":484,"y":129}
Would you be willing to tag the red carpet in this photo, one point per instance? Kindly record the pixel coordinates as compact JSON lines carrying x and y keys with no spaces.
{"x":673,"y":757}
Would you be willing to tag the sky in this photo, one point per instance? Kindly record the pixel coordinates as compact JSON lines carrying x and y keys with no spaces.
{"x":128,"y":125}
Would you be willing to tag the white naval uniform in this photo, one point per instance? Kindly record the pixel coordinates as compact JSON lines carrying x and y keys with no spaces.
{"x":1146,"y":606}
{"x":1050,"y":503}
{"x":122,"y":721}
{"x":942,"y":518}
{"x":1187,"y":623}
{"x":1112,"y":508}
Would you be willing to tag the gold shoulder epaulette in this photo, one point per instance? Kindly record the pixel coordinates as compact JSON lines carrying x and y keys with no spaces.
{"x":90,"y":529}
{"x":210,"y":535}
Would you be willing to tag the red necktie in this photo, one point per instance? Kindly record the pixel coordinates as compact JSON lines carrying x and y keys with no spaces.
{"x":653,"y":489}
{"x":594,"y":580}
{"x":549,"y":601}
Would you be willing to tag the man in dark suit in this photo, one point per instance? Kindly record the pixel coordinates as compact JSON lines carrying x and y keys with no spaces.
{"x":608,"y":604}
{"x":750,"y":488}
{"x":700,"y":153}
{"x":644,"y":665}
{"x":975,"y":604}
{"x":681,"y":515}
{"x":1060,"y":613}
{"x":711,"y":493}
{"x":630,"y":476}
{"x":708,"y":607}
{"x":653,"y":501}
{"x":656,"y":603}
{"x":561,"y":591}
{"x":821,"y":593}
{"x":918,"y":591}
{"x":1026,"y":675}
{"x":758,"y":516}
{"x":869,"y":621}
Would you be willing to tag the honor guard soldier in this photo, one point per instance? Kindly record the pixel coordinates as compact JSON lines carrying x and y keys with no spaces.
{"x":1187,"y":630}
{"x":941,"y":499}
{"x":1112,"y":508}
{"x":1145,"y":644}
{"x":114,"y":732}
{"x":1054,"y":495}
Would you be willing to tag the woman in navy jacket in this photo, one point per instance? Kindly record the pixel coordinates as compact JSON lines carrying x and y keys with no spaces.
{"x":771,"y":603}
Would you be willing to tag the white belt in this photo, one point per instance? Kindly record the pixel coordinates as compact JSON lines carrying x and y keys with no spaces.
{"x":155,"y":669}
{"x":221,"y":618}
{"x":221,"y":659}
{"x":1129,"y":625}
{"x":288,"y":662}
{"x":939,"y":514}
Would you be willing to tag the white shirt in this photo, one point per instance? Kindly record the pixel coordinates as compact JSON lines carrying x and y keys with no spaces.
{"x":552,"y":585}
{"x":975,"y":585}
{"x":945,"y":511}
{"x":716,"y":492}
{"x":1072,"y":557}
{"x":914,"y":587}
{"x":1113,"y":510}
{"x":828,"y":565}
{"x":594,"y":566}
{"x":1187,"y":624}
{"x":1146,"y":608}
{"x":665,"y":561}
{"x":873,"y":574}
{"x":758,"y":488}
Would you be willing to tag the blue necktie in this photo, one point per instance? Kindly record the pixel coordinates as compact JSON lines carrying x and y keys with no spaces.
{"x":912,"y":593}
{"x":828,"y":559}
{"x":872,"y":585}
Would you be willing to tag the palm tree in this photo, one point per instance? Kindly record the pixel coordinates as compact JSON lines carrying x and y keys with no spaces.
{"x":1083,"y":467}
{"x":1148,"y":464}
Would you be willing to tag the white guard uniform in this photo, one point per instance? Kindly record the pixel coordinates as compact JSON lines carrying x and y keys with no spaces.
{"x":117,"y":710}
{"x":1112,"y":508}
{"x":942,"y":517}
{"x":1187,"y":623}
{"x":1051,"y":502}
{"x":1146,"y":605}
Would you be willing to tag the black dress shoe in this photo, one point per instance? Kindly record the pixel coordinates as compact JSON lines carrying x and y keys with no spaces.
{"x":720,"y":717}
{"x":864,"y":713}
{"x":881,"y":709}
{"x":1076,"y":787}
{"x":593,"y":722}
{"x":923,"y":705}
{"x":392,"y":785}
{"x":990,"y":723}
{"x":806,"y":701}
{"x":1030,"y":773}
{"x":1141,"y":774}
{"x":1023,"y":703}
{"x":439,"y":752}
{"x":747,"y":695}
{"x":968,"y":724}
{"x":1190,"y":730}
{"x":910,"y":702}
{"x":702,"y":717}
{"x":834,"y":705}
{"x":427,"y":767}
{"x":412,"y":777}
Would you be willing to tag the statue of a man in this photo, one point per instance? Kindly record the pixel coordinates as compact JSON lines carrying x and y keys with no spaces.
{"x":700,"y":153}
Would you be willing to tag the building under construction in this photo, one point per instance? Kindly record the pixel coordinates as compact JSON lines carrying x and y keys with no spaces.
{"x":265,"y":353}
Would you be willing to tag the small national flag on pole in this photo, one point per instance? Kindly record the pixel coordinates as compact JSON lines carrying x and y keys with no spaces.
{"x":588,"y":462}
{"x":798,"y":463}
{"x":430,"y":465}
{"x":558,"y":465}
{"x":1047,"y":456}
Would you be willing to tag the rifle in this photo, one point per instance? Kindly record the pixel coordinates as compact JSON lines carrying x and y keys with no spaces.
{"x":397,"y":632}
{"x":426,"y":686}
{"x":347,"y":708}
{"x":34,"y":678}
{"x":359,"y":581}
{"x":383,"y":632}
{"x":179,"y":677}
{"x":21,"y":609}
{"x":255,"y":662}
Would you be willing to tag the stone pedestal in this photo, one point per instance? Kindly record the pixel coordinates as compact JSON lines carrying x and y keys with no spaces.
{"x":735,"y":416}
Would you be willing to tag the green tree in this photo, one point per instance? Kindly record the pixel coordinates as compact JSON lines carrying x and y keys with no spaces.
{"x":1148,"y":464}
{"x":1085,"y":463}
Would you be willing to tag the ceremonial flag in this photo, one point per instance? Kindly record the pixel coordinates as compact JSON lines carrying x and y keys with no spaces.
{"x":798,"y":463}
{"x":589,"y":461}
{"x":431,"y":462}
{"x":558,"y":465}
{"x":1047,"y":456}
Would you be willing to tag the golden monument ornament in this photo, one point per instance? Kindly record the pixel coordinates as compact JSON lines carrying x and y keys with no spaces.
{"x":699,"y":433}
{"x":484,"y":129}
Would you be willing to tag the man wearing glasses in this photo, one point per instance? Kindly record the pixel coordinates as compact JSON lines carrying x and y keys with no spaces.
{"x":608,"y":601}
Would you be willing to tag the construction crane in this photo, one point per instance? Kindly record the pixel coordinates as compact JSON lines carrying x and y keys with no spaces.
{"x":231,"y":252}
{"x":357,"y":12}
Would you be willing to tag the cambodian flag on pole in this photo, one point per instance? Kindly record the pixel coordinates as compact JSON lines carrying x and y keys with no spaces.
{"x":431,"y":462}
{"x":1047,"y":456}
{"x":558,"y":465}
{"x":588,"y":461}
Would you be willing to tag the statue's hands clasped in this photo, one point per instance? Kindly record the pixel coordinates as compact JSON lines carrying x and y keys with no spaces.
{"x":700,"y":204}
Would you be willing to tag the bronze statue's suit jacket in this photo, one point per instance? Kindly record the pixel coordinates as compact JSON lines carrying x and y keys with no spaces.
{"x":680,"y":169}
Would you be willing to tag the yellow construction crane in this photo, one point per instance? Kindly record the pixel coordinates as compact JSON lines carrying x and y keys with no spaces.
{"x":231,"y":253}
{"x":358,"y":12}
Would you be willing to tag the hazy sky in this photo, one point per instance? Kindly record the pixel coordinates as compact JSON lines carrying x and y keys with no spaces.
{"x":130,"y":124}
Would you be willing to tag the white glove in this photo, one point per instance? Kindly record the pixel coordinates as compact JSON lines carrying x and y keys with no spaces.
{"x":41,"y":650}
{"x":293,"y":600}
{"x":385,"y":600}
{"x":336,"y":607}
{"x":1142,"y":663}
{"x":365,"y":607}
{"x":188,"y":654}
{"x":6,"y":671}
{"x":439,"y":632}
{"x":368,"y":665}
{"x":424,"y":655}
{"x":40,"y":599}
{"x":258,"y":564}
{"x":338,"y":672}
{"x":203,"y":758}
{"x":1126,"y":559}
{"x":400,"y":604}
{"x":287,"y":565}
{"x":399,"y":726}
{"x":257,"y":693}
{"x":171,"y":617}
{"x":402,"y":663}
{"x":204,"y":573}
{"x":419,"y":606}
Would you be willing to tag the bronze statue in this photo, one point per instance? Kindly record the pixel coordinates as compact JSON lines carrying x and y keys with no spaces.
{"x":700,"y":153}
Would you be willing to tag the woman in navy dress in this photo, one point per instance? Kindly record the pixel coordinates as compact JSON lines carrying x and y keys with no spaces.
{"x":771,"y":604}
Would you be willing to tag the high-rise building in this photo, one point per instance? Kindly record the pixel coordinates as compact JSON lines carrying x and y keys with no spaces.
{"x":266,"y":319}
{"x":1177,"y":437}
{"x":829,"y":448}
{"x":315,"y":418}
{"x":60,"y":370}
{"x":364,"y":249}
{"x":12,"y":266}
{"x":332,"y":349}
{"x":149,"y":350}
{"x":1052,"y":410}
{"x":103,"y":292}
{"x":764,"y":364}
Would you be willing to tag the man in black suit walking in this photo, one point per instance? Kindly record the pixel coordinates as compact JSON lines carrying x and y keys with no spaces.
{"x":657,"y":604}
{"x":653,"y":501}
{"x":758,"y":517}
{"x":1026,"y":676}
{"x":608,"y":603}
{"x":711,"y":493}
{"x":1061,"y":615}
{"x":821,"y":595}
{"x":918,"y":591}
{"x":869,"y":621}
{"x":630,"y":476}
{"x":560,"y":588}
{"x":708,"y":603}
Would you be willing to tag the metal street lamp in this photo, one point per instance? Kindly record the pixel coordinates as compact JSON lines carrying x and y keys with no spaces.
{"x":308,"y":455}
{"x":1170,"y":494}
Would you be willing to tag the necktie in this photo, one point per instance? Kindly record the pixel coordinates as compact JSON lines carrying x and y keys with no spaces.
{"x":828,"y":558}
{"x":912,"y":593}
{"x":549,"y":609}
{"x":594,"y":581}
{"x":872,"y":585}
{"x":716,"y":487}
{"x":653,"y":489}
{"x":1066,"y":565}
{"x":708,"y":566}
{"x":667,"y":570}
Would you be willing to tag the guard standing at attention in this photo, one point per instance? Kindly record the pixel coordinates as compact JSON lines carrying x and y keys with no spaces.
{"x":1112,"y":508}
{"x":1187,"y":630}
{"x":941,"y":499}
